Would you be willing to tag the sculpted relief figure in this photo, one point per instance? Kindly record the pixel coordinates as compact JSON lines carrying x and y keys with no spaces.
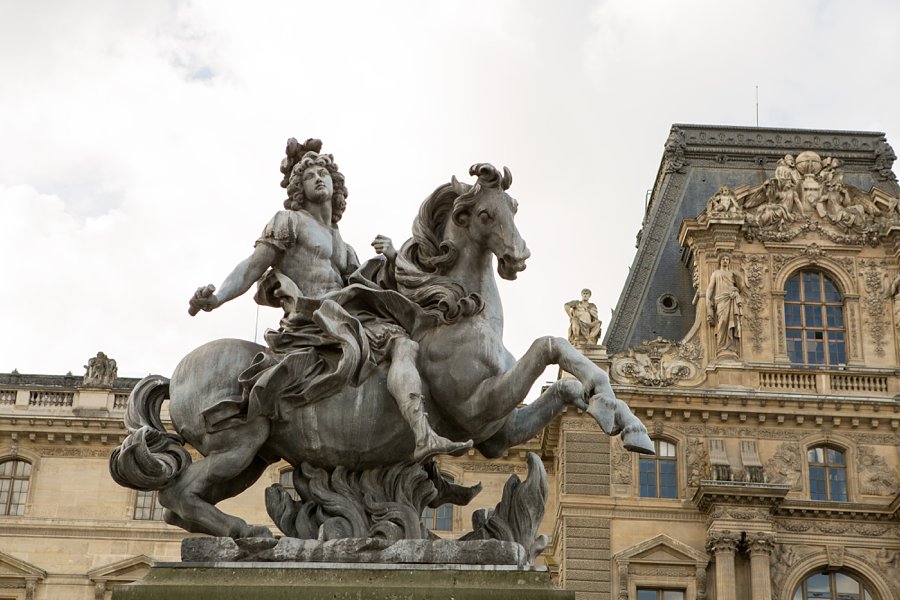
{"x":724,"y":202}
{"x":584,"y":322}
{"x":724,"y":307}
{"x":300,"y":256}
{"x":374,"y":369}
{"x":101,"y":370}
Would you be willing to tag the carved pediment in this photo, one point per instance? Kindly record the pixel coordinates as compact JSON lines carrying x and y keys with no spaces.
{"x":130,"y":569}
{"x":13,"y":568}
{"x":807,"y":194}
{"x":657,"y":363}
{"x":663,"y":549}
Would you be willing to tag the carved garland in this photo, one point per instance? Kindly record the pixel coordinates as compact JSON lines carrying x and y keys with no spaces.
{"x":756,"y":300}
{"x":873,"y":277}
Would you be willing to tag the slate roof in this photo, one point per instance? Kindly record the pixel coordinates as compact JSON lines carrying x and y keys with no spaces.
{"x":697,"y":160}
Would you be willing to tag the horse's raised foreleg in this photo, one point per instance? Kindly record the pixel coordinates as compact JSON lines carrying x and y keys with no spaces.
{"x":230,"y":467}
{"x":505,"y":391}
{"x":526,"y":422}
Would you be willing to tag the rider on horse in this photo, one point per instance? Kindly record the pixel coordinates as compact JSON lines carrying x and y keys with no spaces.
{"x":338,"y":325}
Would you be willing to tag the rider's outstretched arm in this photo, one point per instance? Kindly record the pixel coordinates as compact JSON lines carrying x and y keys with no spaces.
{"x":244,"y":275}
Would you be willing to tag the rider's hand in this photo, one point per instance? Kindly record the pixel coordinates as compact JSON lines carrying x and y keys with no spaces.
{"x":383,"y":245}
{"x":203,"y":299}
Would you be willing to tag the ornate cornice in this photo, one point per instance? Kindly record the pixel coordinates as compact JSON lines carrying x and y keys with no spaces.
{"x":712,"y":493}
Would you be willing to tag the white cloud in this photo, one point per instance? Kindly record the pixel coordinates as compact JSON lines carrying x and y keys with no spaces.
{"x":142,"y":140}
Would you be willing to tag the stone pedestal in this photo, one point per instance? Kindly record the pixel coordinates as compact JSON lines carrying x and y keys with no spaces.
{"x":340,"y":581}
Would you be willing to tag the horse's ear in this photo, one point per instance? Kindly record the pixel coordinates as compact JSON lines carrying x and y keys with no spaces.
{"x":459,"y":188}
{"x":507,"y":179}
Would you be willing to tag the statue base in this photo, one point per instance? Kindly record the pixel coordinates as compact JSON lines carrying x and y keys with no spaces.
{"x":330,"y":581}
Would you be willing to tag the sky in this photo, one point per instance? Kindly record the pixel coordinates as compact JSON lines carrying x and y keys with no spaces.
{"x":140,"y":141}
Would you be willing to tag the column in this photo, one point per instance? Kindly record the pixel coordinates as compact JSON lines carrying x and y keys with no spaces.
{"x":722,"y":544}
{"x":760,"y":547}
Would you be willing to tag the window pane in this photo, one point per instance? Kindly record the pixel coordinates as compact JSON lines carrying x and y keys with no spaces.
{"x":815,"y":351}
{"x":792,"y":315}
{"x":23,"y":469}
{"x":835,"y":457}
{"x":818,"y":587}
{"x":673,"y":595}
{"x":846,"y":587}
{"x":647,"y":595}
{"x":665,"y":449}
{"x":817,"y":490}
{"x":812,"y":315}
{"x":444,"y":518}
{"x":816,"y":455}
{"x":6,"y":468}
{"x":838,"y":484}
{"x":792,"y":288}
{"x":811,"y":289}
{"x":831,"y":292}
{"x":835,"y":316}
{"x":648,"y":478}
{"x":794,"y":346}
{"x":667,"y":487}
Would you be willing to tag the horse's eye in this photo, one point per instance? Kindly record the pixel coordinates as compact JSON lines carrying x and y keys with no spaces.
{"x":485,"y":216}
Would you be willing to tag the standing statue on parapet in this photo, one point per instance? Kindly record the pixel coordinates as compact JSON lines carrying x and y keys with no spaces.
{"x":724,"y":307}
{"x":584,"y":321}
{"x":299,"y":257}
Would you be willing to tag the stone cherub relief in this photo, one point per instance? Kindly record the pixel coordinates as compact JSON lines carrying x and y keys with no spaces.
{"x":657,"y":363}
{"x":806,"y":193}
{"x":584,"y":320}
{"x":375,"y":368}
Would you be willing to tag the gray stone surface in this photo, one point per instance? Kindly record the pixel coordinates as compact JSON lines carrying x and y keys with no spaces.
{"x":354,"y":550}
{"x":426,"y":318}
{"x":242,"y":581}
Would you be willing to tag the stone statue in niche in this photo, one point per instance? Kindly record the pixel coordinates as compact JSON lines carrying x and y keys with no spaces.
{"x":101,"y":371}
{"x":369,"y":360}
{"x":894,"y":293}
{"x":584,"y":321}
{"x":724,"y":307}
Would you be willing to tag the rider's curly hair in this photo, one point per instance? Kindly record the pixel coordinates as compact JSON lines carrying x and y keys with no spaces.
{"x":300,"y":157}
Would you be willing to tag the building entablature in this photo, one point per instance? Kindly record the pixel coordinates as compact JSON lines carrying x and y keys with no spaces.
{"x":712,"y":493}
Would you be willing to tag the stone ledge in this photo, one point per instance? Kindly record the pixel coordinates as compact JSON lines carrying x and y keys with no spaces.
{"x":353,"y":550}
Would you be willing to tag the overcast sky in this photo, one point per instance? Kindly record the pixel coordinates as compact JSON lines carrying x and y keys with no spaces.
{"x":140,"y":141}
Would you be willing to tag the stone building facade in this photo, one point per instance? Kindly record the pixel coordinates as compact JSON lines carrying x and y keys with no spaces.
{"x":758,"y":337}
{"x":769,"y":382}
{"x":67,"y":531}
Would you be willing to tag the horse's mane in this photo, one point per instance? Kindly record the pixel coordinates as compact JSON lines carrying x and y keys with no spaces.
{"x":424,"y":259}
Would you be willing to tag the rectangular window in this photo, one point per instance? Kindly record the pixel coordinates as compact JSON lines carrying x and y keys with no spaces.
{"x":658,"y":594}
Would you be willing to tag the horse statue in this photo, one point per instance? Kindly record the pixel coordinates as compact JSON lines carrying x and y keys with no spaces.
{"x":473,"y":385}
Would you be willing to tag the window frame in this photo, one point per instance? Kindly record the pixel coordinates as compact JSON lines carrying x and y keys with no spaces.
{"x":660,"y":592}
{"x":828,"y":467}
{"x":156,"y":509}
{"x":803,"y":330}
{"x":658,"y":460}
{"x":13,"y":478}
{"x":802,"y":589}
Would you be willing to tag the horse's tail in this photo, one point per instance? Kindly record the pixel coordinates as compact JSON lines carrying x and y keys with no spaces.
{"x":150,"y":458}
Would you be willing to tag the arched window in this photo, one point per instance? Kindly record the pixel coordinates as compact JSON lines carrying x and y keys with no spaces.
{"x":832,"y":586}
{"x":658,"y":473}
{"x":440,"y":518}
{"x":814,"y":320}
{"x":147,"y":506}
{"x":15,"y":476}
{"x":827,"y":474}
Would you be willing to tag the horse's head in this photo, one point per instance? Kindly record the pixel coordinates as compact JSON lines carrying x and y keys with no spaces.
{"x":488,"y":213}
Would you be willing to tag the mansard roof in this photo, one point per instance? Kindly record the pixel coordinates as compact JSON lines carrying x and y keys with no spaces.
{"x":697,"y":161}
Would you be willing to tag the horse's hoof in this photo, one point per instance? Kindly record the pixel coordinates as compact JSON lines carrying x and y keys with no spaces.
{"x":603,"y":410}
{"x":439,"y":445}
{"x":638,"y":441}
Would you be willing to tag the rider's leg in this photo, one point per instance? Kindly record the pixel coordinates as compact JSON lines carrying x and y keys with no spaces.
{"x":405,"y":385}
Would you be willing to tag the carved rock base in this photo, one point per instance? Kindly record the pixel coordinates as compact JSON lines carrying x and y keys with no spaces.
{"x":241,"y":581}
{"x":354,"y":550}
